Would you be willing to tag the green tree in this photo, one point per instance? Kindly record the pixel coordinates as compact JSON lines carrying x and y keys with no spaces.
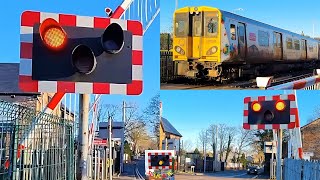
{"x":243,"y":160}
{"x":196,"y":151}
{"x":165,"y":41}
{"x":127,"y":149}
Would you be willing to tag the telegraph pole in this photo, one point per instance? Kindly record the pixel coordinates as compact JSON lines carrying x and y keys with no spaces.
{"x":83,"y":137}
{"x":205,"y":153}
{"x":110,"y":149}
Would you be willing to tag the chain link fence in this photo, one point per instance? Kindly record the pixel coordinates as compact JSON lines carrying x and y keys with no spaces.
{"x":34,"y":145}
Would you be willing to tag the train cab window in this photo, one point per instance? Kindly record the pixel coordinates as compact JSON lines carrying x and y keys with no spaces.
{"x":296,"y":44}
{"x":181,"y":25}
{"x":211,"y":24}
{"x":289,"y":43}
{"x":233,"y":32}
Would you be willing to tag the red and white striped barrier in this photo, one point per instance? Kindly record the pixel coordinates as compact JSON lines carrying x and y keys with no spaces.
{"x":293,"y":112}
{"x":299,"y":84}
{"x":121,"y":9}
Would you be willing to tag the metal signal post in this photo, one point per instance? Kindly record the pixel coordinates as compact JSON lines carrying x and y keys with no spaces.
{"x":82,"y":150}
{"x":110,"y":149}
{"x":279,"y":155}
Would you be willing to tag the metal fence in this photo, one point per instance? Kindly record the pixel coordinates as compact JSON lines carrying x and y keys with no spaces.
{"x":300,"y":169}
{"x":34,"y":145}
{"x":168,"y":66}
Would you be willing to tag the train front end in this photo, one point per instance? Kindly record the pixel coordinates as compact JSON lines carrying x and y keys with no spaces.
{"x":196,"y":42}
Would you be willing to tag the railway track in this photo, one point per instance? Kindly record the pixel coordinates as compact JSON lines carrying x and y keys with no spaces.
{"x":249,"y":84}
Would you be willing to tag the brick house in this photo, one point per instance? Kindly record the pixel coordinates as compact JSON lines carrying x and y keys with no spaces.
{"x":310,"y":138}
{"x":169,"y":135}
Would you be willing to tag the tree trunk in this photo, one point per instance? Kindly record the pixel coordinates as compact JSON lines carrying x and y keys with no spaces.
{"x":228,"y":148}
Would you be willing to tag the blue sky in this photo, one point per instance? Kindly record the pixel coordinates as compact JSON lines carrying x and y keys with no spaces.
{"x":12,"y":9}
{"x":191,"y":111}
{"x":293,"y":15}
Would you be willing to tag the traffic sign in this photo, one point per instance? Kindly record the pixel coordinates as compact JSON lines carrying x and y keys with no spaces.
{"x":101,"y":142}
{"x":80,"y":54}
{"x":270,"y":112}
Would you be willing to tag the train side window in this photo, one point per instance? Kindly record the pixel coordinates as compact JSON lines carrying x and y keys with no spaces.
{"x":296,"y":44}
{"x":289,"y":43}
{"x":233,"y":32}
{"x":263,"y":38}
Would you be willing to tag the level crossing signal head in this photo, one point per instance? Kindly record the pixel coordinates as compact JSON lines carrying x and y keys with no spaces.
{"x":160,"y":160}
{"x":78,"y":54}
{"x":270,"y":112}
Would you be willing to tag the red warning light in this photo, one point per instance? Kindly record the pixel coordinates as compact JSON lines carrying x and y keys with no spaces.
{"x":52,"y":34}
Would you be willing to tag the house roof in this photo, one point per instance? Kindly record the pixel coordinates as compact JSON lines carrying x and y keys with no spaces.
{"x":9,"y":80}
{"x":307,"y":125}
{"x":168,"y":127}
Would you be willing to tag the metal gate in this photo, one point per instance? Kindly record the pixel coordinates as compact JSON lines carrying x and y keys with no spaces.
{"x":34,"y":145}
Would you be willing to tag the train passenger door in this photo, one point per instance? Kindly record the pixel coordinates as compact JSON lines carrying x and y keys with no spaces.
{"x":303,"y":49}
{"x":196,"y":34}
{"x":277,"y":46}
{"x":242,"y":44}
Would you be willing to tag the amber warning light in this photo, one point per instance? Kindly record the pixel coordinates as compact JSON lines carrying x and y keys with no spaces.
{"x":52,"y":34}
{"x":256,"y":107}
{"x":280,"y":105}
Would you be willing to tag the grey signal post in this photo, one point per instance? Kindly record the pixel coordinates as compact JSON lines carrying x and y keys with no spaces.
{"x":279,"y":155}
{"x":82,"y":150}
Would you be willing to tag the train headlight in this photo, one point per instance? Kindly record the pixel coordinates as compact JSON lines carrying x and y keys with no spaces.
{"x":212,"y":50}
{"x":179,"y":50}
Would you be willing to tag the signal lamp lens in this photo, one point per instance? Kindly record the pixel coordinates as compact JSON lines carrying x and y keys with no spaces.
{"x":256,"y":107}
{"x":113,"y":39}
{"x":160,"y":162}
{"x":280,"y":106}
{"x":83,"y":59}
{"x":268,"y":116}
{"x":52,"y":34}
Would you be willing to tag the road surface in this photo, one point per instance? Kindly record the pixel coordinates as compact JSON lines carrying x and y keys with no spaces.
{"x":224,"y":175}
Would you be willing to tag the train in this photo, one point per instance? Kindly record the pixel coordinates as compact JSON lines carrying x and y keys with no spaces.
{"x":209,"y":43}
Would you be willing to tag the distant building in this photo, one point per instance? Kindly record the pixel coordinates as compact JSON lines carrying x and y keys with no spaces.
{"x":310,"y":139}
{"x":169,"y":135}
{"x":10,"y":92}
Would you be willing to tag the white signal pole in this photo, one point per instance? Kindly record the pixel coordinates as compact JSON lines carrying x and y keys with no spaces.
{"x":176,"y":4}
{"x":279,"y":155}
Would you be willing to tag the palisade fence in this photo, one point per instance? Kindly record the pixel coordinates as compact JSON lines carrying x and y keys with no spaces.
{"x":294,"y":169}
{"x":34,"y":145}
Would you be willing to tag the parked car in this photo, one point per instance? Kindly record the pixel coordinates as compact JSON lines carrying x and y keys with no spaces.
{"x":253,"y":170}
